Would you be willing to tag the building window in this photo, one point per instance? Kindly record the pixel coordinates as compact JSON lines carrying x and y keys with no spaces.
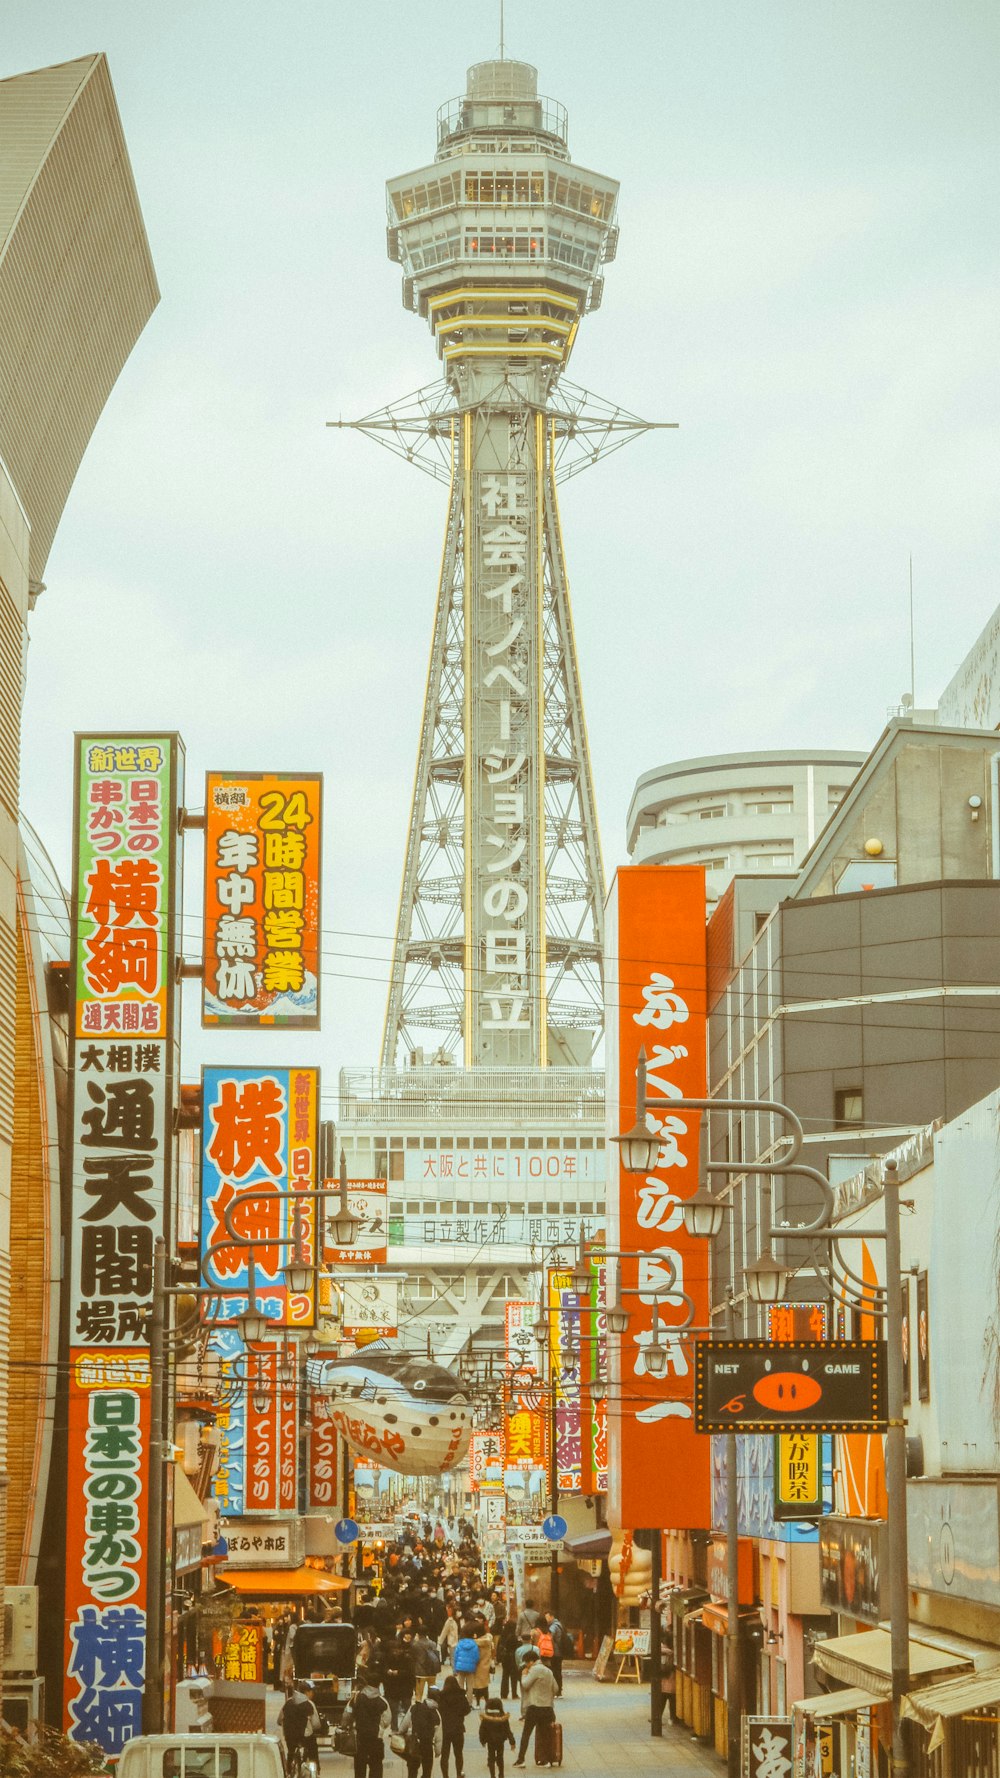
{"x":721,"y":863}
{"x":770,"y":860}
{"x":848,"y":1105}
{"x":777,"y":807}
{"x":714,"y":812}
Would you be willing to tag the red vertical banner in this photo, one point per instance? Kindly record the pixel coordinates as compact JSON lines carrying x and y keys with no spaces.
{"x":655,"y":982}
{"x":321,"y":1482}
{"x":288,"y":1439}
{"x":261,"y":1488}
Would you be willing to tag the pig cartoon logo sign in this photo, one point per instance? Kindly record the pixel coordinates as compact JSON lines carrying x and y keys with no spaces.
{"x":777,"y":1386}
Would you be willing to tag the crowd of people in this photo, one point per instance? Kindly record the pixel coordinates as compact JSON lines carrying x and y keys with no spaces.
{"x":438,"y":1647}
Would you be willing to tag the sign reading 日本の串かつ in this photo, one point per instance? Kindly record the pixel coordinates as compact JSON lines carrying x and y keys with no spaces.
{"x":127,"y":792}
{"x":263,"y":838}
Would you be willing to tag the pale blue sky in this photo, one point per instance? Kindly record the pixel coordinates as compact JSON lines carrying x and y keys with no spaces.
{"x":807,"y":281}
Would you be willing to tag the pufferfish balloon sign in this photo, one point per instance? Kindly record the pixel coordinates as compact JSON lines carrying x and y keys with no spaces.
{"x":396,"y":1409}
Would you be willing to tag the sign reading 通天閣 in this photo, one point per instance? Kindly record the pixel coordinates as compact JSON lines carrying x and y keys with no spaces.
{"x":761,"y":1386}
{"x":127,"y":792}
{"x":655,"y":986}
{"x":263,"y":840}
{"x":260,"y":1130}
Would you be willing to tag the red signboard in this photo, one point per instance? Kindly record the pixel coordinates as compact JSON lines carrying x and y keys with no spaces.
{"x":288,"y":1440}
{"x":655,"y":983}
{"x":321,"y":1480}
{"x":261,"y":1494}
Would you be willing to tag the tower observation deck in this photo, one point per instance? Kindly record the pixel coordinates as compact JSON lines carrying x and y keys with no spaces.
{"x":502,"y":241}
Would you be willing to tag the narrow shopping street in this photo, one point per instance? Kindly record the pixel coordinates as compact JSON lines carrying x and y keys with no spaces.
{"x":605,"y":1731}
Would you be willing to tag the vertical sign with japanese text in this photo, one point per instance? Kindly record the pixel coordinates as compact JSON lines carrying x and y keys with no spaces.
{"x":564,"y":1370}
{"x":263,"y":839}
{"x":123,"y":1075}
{"x":321,"y":1476}
{"x":655,"y":987}
{"x":525,"y":1429}
{"x":259,"y":1136}
{"x":594,"y":1370}
{"x":262,"y":1427}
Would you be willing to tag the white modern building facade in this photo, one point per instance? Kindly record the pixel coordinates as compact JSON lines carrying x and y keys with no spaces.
{"x":737,"y":813}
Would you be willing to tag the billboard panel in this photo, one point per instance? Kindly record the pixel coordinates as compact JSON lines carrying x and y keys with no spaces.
{"x":263,"y":850}
{"x":594,"y":1365}
{"x":369,"y":1200}
{"x":526,"y":1429}
{"x":811,"y":1385}
{"x":565,"y":1376}
{"x":260,"y":1128}
{"x":370,"y":1306}
{"x":126,"y":794}
{"x":655,"y":987}
{"x":321,"y":1476}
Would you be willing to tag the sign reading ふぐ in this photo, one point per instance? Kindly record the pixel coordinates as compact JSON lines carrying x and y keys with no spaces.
{"x":263,"y":837}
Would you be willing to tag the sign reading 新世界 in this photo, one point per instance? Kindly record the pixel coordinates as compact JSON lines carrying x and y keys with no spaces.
{"x":816,"y":1385}
{"x":263,"y":836}
{"x":127,"y":791}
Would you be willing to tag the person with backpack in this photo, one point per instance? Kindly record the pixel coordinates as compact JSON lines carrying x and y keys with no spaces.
{"x":369,"y":1716}
{"x":298,"y":1720}
{"x":538,"y":1693}
{"x":426,"y":1661}
{"x":421,"y":1731}
{"x":506,"y":1655}
{"x":465,"y":1660}
{"x":557,"y":1637}
{"x":495,"y":1733}
{"x":400,"y":1676}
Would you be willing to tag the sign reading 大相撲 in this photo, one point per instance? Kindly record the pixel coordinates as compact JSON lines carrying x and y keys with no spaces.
{"x":815,"y":1385}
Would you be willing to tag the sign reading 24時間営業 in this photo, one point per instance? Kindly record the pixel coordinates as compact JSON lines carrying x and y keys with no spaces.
{"x":263,"y":838}
{"x":766,"y":1386}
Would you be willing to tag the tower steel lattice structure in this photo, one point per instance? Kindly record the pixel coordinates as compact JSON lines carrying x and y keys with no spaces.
{"x":502,"y":241}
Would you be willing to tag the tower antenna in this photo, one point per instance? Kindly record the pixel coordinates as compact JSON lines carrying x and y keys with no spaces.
{"x":501,"y":30}
{"x":913,"y":670}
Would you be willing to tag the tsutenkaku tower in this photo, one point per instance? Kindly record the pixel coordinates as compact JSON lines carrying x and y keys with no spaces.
{"x":502,"y":241}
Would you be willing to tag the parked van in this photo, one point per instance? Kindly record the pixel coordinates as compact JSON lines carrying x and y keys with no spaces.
{"x":201,"y":1756}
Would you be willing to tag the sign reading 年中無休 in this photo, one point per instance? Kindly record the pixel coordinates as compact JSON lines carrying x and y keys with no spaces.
{"x":763,"y":1386}
{"x":127,"y":791}
{"x":263,"y":838}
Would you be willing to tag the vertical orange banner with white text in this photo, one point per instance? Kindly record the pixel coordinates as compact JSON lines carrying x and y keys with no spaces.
{"x":655,"y":986}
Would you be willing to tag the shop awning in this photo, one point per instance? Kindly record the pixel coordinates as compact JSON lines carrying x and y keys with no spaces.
{"x":188,"y":1509}
{"x":830,"y":1704}
{"x":956,"y":1697}
{"x":591,"y":1545}
{"x":865,"y":1661}
{"x":282,"y":1583}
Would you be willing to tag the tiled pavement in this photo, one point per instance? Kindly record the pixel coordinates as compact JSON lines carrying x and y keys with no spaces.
{"x":605,"y":1732}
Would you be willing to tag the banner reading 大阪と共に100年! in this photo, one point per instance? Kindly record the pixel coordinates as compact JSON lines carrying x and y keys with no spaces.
{"x":263,"y":850}
{"x":655,"y":988}
{"x":124,"y":945}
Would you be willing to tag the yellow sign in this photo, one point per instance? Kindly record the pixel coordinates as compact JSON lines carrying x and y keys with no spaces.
{"x":797,"y":1474}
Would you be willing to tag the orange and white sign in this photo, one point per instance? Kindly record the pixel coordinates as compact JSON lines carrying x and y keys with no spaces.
{"x":655,"y":985}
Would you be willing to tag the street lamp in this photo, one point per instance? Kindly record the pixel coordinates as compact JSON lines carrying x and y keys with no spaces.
{"x":344,"y":1225}
{"x":703,"y":1214}
{"x":766,"y":1280}
{"x":251,"y":1327}
{"x":639,"y":1147}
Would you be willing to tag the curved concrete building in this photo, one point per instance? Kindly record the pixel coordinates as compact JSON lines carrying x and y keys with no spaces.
{"x":738,"y":812}
{"x":77,"y":287}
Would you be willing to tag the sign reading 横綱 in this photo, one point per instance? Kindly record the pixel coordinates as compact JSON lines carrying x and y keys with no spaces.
{"x":655,"y":991}
{"x":122,"y":1066}
{"x":263,"y":838}
{"x":259,"y":1130}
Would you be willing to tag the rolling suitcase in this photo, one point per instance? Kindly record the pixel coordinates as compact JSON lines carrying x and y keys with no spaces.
{"x":548,"y":1744}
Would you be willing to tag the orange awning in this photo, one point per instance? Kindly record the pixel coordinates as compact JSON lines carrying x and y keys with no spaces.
{"x":282,"y":1583}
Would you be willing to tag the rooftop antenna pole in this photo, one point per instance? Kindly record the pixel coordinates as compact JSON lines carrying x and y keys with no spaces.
{"x":501,"y":30}
{"x":913,"y":674}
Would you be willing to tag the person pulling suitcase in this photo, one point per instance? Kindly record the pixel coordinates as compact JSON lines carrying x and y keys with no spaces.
{"x":538,"y":1696}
